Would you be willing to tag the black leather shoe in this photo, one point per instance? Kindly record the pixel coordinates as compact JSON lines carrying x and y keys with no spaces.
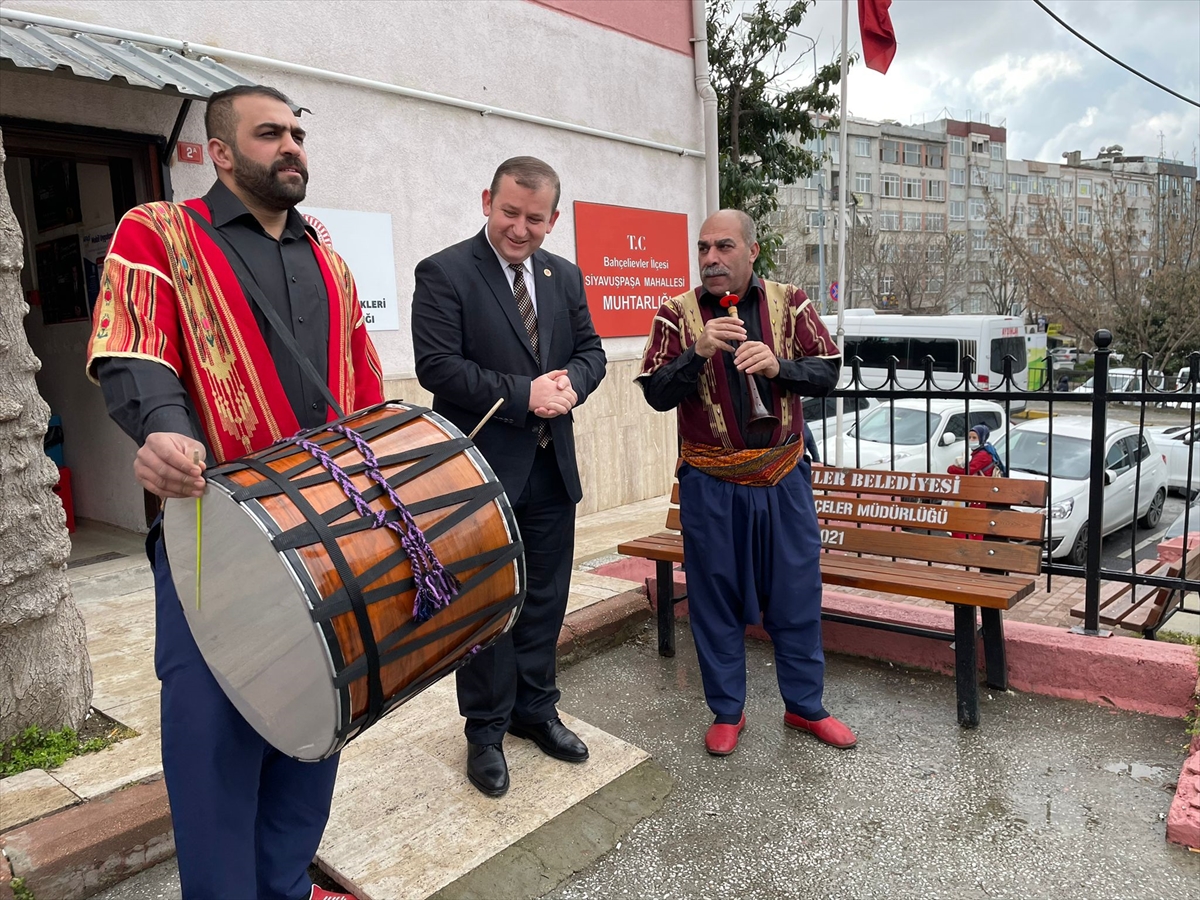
{"x":487,"y":769}
{"x":554,"y":738}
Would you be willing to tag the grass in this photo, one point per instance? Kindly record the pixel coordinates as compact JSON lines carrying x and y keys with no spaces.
{"x":20,"y":892}
{"x":34,"y":748}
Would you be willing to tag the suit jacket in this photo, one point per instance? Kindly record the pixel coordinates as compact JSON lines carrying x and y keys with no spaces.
{"x":472,"y":349}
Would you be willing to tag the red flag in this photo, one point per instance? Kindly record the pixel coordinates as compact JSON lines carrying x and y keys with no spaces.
{"x":878,"y":39}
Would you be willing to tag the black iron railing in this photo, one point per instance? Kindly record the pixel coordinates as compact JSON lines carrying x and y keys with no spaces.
{"x":1144,"y":389}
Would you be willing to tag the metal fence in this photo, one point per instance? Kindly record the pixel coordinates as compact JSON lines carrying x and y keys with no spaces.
{"x":1147,"y":390}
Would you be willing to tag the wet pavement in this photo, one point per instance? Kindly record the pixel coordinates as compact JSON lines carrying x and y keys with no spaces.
{"x":1048,"y":798}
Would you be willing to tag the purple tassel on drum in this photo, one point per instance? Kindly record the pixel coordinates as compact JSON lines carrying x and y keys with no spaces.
{"x":436,"y":586}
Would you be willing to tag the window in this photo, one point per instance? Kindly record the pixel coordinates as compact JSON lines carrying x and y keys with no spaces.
{"x":935,"y":190}
{"x":997,"y":151}
{"x":887,"y":284}
{"x":1118,"y":458}
{"x":889,"y":221}
{"x":862,"y":182}
{"x":958,"y":211}
{"x":1068,"y":216}
{"x":979,"y":177}
{"x":862,"y":146}
{"x":935,"y":222}
{"x":979,"y":239}
{"x":978,"y":210}
{"x":958,"y":176}
{"x":912,"y":221}
{"x":979,"y":144}
{"x":976,"y":274}
{"x":889,"y":186}
{"x":1018,"y":184}
{"x":814,"y":218}
{"x":835,"y":145}
{"x":1085,"y":187}
{"x":1010,"y":346}
{"x":1019,"y":215}
{"x":912,"y":154}
{"x":812,"y":254}
{"x":1034,"y":212}
{"x":958,"y":146}
{"x":912,"y":188}
{"x":887,"y":251}
{"x":1050,"y":186}
{"x":996,"y":181}
{"x":815,"y":180}
{"x":934,"y":154}
{"x":889,"y":152}
{"x":1085,"y":215}
{"x":1035,"y":247}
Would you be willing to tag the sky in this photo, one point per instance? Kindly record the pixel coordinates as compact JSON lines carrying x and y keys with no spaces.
{"x":1009,"y":61}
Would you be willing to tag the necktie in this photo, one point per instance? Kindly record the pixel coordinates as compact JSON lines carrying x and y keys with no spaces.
{"x":529,"y":317}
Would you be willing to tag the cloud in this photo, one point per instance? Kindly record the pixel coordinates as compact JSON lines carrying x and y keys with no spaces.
{"x":1008,"y":63}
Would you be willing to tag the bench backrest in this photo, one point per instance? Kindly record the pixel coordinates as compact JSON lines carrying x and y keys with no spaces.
{"x":859,"y":511}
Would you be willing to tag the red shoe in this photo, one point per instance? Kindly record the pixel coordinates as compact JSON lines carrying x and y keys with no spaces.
{"x":319,"y":893}
{"x":829,"y":730}
{"x":721,"y":740}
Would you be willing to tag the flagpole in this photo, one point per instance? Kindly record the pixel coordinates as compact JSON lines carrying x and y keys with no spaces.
{"x":843,"y":167}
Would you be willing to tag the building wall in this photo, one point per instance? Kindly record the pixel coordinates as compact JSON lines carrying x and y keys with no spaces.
{"x":606,"y":66}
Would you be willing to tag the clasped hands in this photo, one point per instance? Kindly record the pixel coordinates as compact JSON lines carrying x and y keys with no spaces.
{"x":751,"y":357}
{"x":551,"y":395}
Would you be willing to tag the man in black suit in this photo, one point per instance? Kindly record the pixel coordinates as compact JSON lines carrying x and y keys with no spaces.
{"x":497,"y":318}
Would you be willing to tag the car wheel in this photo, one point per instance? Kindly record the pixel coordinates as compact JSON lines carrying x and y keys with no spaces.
{"x":1078,"y":554}
{"x":1154,"y":514}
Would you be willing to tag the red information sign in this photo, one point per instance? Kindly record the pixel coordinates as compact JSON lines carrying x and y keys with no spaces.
{"x":190,"y":153}
{"x":632,"y":260}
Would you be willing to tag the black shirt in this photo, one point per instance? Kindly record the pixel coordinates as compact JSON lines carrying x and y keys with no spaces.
{"x":144,"y":396}
{"x":678,"y":379}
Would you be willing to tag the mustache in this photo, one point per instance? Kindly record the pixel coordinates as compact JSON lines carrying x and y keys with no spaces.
{"x":290,"y":162}
{"x":714,"y":269}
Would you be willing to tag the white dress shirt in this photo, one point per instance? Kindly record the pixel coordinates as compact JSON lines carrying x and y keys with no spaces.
{"x":511,"y":275}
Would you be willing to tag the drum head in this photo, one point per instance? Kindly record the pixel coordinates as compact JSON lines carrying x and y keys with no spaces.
{"x":253,"y":623}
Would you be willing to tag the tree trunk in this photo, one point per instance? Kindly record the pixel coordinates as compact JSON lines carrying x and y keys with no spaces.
{"x":45,"y":674}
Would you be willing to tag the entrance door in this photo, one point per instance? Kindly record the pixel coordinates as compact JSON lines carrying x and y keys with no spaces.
{"x":69,"y":187}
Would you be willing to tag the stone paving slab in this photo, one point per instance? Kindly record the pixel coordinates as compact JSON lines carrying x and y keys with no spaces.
{"x":29,"y":796}
{"x":406,"y":822}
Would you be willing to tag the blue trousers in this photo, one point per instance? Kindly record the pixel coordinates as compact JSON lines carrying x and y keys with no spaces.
{"x":247,"y":818}
{"x":752,"y":554}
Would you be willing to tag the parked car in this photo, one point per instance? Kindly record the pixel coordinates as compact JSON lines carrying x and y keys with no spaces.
{"x":1065,"y":355}
{"x":1177,"y":443}
{"x":820,"y":413}
{"x":922,"y":443}
{"x":1124,"y":380}
{"x":1030,"y":449}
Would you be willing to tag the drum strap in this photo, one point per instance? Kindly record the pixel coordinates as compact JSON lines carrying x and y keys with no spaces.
{"x":349,"y":582}
{"x":251,"y":289}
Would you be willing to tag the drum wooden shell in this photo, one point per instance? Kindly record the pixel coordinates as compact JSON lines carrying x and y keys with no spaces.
{"x":276,"y":623}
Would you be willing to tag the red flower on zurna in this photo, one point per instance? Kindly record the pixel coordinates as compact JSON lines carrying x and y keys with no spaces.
{"x":729,"y":300}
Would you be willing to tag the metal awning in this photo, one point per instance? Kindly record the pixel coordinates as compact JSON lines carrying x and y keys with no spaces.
{"x":78,"y":54}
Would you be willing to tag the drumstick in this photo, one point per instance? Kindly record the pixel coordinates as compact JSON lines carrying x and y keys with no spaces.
{"x":491,"y":412}
{"x":199,"y":531}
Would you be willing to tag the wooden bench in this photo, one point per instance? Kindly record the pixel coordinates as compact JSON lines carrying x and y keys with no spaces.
{"x":888,"y":532}
{"x":1140,"y":608}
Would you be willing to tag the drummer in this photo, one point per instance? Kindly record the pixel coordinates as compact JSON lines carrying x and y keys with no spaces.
{"x":194,"y":372}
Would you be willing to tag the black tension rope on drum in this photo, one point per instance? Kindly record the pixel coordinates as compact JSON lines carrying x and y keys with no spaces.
{"x":251,"y":289}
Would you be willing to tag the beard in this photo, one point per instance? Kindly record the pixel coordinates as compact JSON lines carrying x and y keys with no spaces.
{"x":264,"y":184}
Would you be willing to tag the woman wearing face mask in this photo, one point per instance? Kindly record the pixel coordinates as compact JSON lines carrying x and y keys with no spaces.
{"x":982,"y":462}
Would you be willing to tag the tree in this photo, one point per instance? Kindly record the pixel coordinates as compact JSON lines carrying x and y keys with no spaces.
{"x":1106,"y":273}
{"x":45,"y":675}
{"x":915,"y":272}
{"x":762,"y":123}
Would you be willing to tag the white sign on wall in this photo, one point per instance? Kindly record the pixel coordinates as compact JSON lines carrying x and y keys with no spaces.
{"x":364,"y":240}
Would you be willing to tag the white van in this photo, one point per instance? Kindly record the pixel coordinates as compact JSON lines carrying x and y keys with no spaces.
{"x":948,"y":339}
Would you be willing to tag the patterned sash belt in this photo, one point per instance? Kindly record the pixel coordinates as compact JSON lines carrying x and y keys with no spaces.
{"x":755,"y":468}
